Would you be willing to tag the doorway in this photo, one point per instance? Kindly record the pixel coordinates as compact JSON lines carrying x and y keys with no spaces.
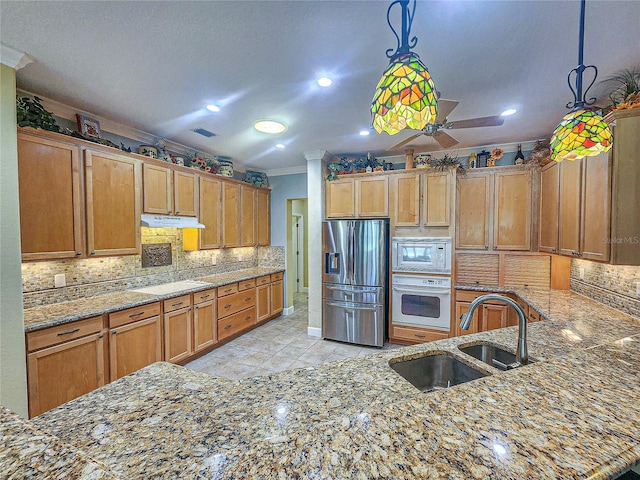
{"x":297,"y":247}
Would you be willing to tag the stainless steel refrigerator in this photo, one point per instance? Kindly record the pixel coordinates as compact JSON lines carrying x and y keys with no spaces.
{"x":354,"y":280}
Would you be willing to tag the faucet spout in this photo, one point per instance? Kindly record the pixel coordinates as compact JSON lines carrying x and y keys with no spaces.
{"x":522,"y":354}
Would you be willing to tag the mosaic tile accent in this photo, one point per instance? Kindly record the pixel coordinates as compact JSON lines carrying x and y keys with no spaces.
{"x":612,"y":285}
{"x":98,"y":276}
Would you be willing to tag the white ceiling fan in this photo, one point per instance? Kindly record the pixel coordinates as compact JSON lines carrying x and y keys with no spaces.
{"x":436,"y":130}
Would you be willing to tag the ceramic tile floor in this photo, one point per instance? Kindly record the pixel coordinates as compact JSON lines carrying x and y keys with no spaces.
{"x":279,"y":345}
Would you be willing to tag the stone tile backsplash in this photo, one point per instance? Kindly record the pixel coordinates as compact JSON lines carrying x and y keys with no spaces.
{"x":613,"y":285}
{"x":97,"y":276}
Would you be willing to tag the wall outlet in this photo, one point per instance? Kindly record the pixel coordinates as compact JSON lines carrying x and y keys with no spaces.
{"x":638,"y":289}
{"x":213,"y":260}
{"x":581,"y":273}
{"x":60,"y":280}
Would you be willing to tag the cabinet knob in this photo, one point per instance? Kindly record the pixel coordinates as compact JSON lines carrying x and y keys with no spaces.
{"x":486,"y":247}
{"x":113,"y":332}
{"x":553,"y":250}
{"x":168,"y":211}
{"x":196,"y":307}
{"x":78,"y":253}
{"x":93,"y":252}
{"x":495,"y":248}
{"x":177,"y":212}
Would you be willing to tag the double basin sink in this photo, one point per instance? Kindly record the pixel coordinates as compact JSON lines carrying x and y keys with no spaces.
{"x":440,"y":371}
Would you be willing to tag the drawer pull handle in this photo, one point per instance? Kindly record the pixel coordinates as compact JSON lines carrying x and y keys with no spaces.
{"x":228,"y":290}
{"x":228,"y":327}
{"x":69,"y":332}
{"x":247,"y":317}
{"x":532,"y":315}
{"x":227,"y":306}
{"x":419,"y":335}
{"x":204,"y":296}
{"x":248,"y":299}
{"x":176,"y":304}
{"x":136,"y":314}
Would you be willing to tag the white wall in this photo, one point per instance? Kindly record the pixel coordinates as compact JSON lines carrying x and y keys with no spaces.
{"x":13,"y":377}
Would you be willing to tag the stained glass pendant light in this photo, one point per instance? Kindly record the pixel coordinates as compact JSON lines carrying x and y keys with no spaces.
{"x":582,"y":132}
{"x":405,"y":95}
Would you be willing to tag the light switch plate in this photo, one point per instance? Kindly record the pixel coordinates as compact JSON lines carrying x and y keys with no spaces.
{"x":60,"y":280}
{"x":581,"y":273}
{"x":213,"y":260}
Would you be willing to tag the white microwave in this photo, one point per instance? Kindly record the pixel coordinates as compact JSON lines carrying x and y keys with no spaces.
{"x":421,"y":254}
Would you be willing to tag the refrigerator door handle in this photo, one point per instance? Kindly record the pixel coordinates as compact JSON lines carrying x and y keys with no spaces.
{"x":350,"y":289}
{"x":351,"y":242}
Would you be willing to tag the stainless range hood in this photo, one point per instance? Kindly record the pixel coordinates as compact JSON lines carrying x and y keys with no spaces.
{"x":167,"y":221}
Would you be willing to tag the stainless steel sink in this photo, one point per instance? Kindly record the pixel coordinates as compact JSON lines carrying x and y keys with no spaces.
{"x":435,"y":372}
{"x":491,"y":355}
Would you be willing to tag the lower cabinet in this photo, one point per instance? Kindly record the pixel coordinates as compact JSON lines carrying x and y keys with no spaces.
{"x":402,"y":334}
{"x":177,"y":329}
{"x":236,"y":310}
{"x":277,"y":293}
{"x":135,"y":339}
{"x":263,"y":300}
{"x":60,"y":372}
{"x":205,"y":330}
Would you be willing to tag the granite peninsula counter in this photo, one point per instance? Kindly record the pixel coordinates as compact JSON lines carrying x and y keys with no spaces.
{"x":573,"y":414}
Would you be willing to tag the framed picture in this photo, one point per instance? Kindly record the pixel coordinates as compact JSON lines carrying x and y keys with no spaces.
{"x":89,"y":126}
{"x":481,"y":159}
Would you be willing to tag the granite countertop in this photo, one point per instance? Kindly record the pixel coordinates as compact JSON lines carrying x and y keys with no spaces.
{"x":572,"y":414}
{"x":37,"y":318}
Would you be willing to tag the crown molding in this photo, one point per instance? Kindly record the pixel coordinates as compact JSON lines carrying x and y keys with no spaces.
{"x":13,"y":58}
{"x":276,"y":172}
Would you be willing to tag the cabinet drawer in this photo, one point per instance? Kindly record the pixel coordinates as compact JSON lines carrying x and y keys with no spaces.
{"x":263,"y":280}
{"x":235,"y":302}
{"x":133,"y":314}
{"x":246,"y":284}
{"x":236,"y":323}
{"x":276,"y":276}
{"x":227,"y":289}
{"x":63,"y":333}
{"x":183,"y":301}
{"x":418,"y":334}
{"x":204,"y":296}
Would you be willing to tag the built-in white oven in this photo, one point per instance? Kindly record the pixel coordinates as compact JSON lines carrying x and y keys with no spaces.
{"x":421,"y":301}
{"x":421,"y":254}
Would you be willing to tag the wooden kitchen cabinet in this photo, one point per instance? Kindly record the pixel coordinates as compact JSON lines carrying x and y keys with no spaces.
{"x":185,"y":186}
{"x":495,"y":209}
{"x":236,"y":310}
{"x":340,"y":198}
{"x":157,"y":189}
{"x":569,"y":198}
{"x":372,"y":196}
{"x":210,"y":212}
{"x":64,"y":362}
{"x":263,"y":302}
{"x":549,"y":207}
{"x":205,"y":332}
{"x":462,"y":306}
{"x":248,"y":198}
{"x":135,"y":339}
{"x":177,"y":326}
{"x":230,"y":215}
{"x":494,"y":316}
{"x":113,"y":203}
{"x":436,"y":202}
{"x":277,"y":294}
{"x":51,"y":199}
{"x":263,"y":217}
{"x":406,"y":191}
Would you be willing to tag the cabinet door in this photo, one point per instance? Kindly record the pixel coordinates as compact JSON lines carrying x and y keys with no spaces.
{"x":406,"y":192}
{"x":157,"y":189}
{"x":549,"y":190}
{"x":493,"y":317}
{"x":210,"y":213}
{"x":184,"y":194}
{"x":569,"y":213}
{"x":134,"y":346}
{"x":340,"y":198}
{"x":463,"y":307}
{"x":596,"y":208}
{"x":64,"y":372}
{"x":436,"y":200}
{"x":230,"y":215}
{"x":248,"y":197}
{"x":51,"y":203}
{"x":177,"y":335}
{"x":204,"y":325}
{"x":472,"y":228}
{"x":263,"y":217}
{"x":277,"y":297}
{"x":263,"y":302}
{"x":512,"y":211}
{"x":372,"y":197}
{"x":113,"y":204}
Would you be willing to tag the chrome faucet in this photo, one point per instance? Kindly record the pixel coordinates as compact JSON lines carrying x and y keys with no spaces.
{"x":522,"y":355}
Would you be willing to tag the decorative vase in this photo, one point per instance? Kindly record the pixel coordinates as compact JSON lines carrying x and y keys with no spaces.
{"x":148,"y":151}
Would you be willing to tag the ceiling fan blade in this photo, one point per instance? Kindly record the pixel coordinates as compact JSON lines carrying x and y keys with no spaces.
{"x":445,"y":107}
{"x":444,"y":139}
{"x":405,"y":141}
{"x":493,"y":121}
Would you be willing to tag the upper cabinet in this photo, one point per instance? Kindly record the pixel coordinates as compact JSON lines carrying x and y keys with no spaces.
{"x":421,"y":198}
{"x":361,"y":197}
{"x":230,"y":215}
{"x":113,"y":203}
{"x":549,"y":207}
{"x":185,"y":195}
{"x":210,"y":213}
{"x":263,"y":217}
{"x":168,"y":192}
{"x":436,"y":199}
{"x":248,"y":200}
{"x":495,"y":209}
{"x":51,"y":198}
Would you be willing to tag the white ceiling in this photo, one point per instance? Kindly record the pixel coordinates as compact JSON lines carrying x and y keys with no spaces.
{"x":154,"y":65}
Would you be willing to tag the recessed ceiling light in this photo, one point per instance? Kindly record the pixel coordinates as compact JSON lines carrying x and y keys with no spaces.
{"x":279,"y":145}
{"x":213,"y":108}
{"x":364,"y":133}
{"x":325,"y":81}
{"x":269,"y":126}
{"x":508,"y":112}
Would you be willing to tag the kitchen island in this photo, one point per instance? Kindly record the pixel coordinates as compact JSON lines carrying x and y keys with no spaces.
{"x":575,"y":413}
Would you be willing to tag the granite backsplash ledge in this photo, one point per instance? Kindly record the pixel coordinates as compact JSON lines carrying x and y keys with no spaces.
{"x":97,"y":276}
{"x":612,"y":285}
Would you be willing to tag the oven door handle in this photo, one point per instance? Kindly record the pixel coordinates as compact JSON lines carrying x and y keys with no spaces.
{"x":350,"y":307}
{"x":423,"y":290}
